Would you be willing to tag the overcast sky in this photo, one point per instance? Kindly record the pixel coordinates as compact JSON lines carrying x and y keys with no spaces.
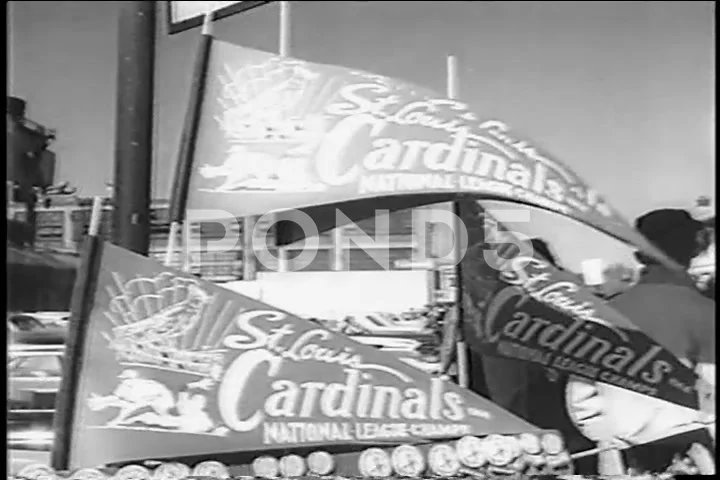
{"x":623,"y":92}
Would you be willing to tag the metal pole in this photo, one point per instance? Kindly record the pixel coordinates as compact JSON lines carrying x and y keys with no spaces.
{"x":188,"y":139}
{"x":284,"y":51}
{"x":284,"y":40}
{"x":9,"y":196}
{"x":81,"y":305}
{"x":249,"y":258}
{"x":134,"y":126}
{"x":186,"y":263}
{"x":452,"y":80}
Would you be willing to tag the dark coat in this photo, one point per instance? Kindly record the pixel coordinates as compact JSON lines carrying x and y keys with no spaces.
{"x":671,"y":311}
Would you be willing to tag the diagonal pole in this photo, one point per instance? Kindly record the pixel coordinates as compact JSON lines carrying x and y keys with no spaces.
{"x":65,"y":422}
{"x":188,"y":139}
{"x":460,"y":347}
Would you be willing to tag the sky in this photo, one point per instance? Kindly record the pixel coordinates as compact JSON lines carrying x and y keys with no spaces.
{"x":622,"y":92}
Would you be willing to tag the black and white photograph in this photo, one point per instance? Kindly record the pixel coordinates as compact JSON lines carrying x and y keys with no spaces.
{"x":360,"y":239}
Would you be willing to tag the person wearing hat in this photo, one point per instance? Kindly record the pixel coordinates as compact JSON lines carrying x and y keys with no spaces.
{"x":669,"y":309}
{"x":664,"y":305}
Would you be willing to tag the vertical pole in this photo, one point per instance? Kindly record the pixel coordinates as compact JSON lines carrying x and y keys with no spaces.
{"x":10,"y":49}
{"x":249,"y":258}
{"x":284,"y":47}
{"x":68,"y":236}
{"x":9,"y":196}
{"x":461,"y":349}
{"x":338,"y":250}
{"x":171,"y":243}
{"x":186,"y":263}
{"x":283,"y":259}
{"x":134,"y":124}
{"x":284,"y":50}
{"x":31,"y":215}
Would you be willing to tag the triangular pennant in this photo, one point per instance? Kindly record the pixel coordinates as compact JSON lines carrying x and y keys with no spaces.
{"x":518,"y":305}
{"x":280,"y":133}
{"x":176,"y":366}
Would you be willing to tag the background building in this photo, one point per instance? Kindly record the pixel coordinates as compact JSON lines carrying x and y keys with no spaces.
{"x":62,"y":224}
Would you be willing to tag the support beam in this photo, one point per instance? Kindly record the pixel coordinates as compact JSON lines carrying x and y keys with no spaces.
{"x":249,"y":259}
{"x":134,"y":126}
{"x":339,"y":255}
{"x":283,"y":259}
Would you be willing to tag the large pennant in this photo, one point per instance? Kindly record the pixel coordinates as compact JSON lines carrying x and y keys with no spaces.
{"x":175,"y":366}
{"x":518,"y":305}
{"x":279,"y":133}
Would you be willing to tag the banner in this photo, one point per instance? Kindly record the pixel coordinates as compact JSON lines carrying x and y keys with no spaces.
{"x":175,"y":366}
{"x":518,"y":305}
{"x":279,"y":133}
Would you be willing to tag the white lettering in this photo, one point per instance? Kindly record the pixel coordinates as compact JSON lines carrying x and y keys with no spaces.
{"x":235,"y":383}
{"x":258,"y":337}
{"x":335,"y":147}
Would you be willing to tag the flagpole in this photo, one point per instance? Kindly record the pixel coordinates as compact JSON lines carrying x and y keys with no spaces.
{"x":460,"y":347}
{"x":186,"y":244}
{"x":284,"y":47}
{"x":80,"y":308}
{"x":284,"y":51}
{"x":249,"y":223}
{"x":188,"y":139}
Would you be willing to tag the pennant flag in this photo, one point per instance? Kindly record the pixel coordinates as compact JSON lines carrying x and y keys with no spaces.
{"x":518,"y":305}
{"x":175,"y":366}
{"x":279,"y":133}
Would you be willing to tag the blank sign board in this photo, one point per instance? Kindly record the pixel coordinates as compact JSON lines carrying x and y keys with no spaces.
{"x":185,"y":15}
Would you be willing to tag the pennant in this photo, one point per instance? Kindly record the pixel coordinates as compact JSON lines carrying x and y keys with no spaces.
{"x":518,"y":305}
{"x":279,"y":133}
{"x":175,"y":366}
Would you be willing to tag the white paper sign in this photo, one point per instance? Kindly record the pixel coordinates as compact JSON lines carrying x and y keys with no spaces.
{"x":183,"y":11}
{"x":593,"y":271}
{"x":185,"y":15}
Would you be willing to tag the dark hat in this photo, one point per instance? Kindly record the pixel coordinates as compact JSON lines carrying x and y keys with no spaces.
{"x":673,"y":231}
{"x":660,"y":223}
